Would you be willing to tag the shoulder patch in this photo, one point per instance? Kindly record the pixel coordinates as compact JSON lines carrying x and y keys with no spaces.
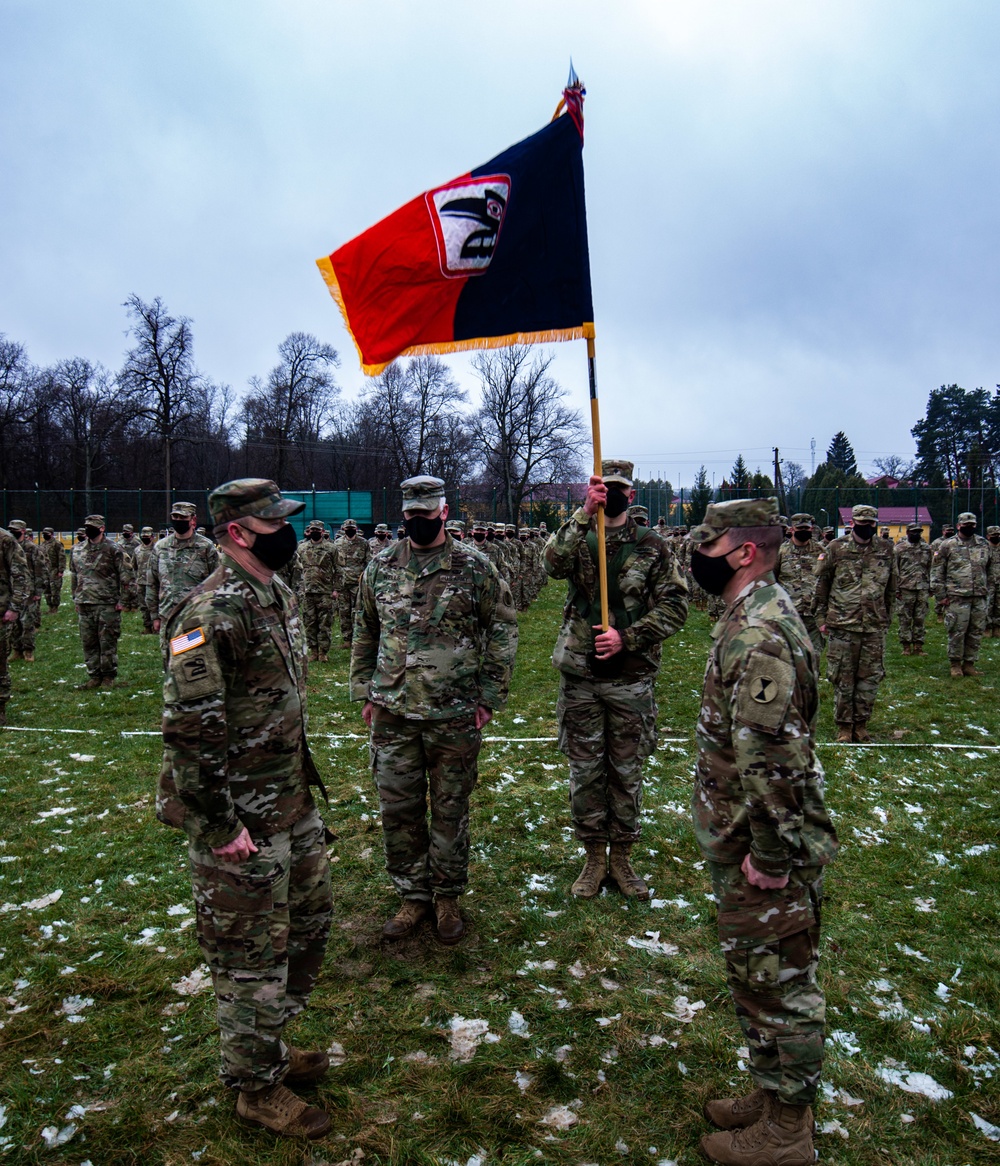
{"x":765,"y":692}
{"x":186,"y":641}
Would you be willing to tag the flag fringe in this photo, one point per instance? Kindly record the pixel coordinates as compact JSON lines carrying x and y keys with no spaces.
{"x":583,"y":331}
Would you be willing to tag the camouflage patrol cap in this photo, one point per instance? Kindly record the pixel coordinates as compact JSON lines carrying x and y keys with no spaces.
{"x":480,"y":524}
{"x":183,"y":510}
{"x":47,"y":530}
{"x":250,"y":498}
{"x":741,"y":512}
{"x":637,"y":512}
{"x":864,"y":514}
{"x":455,"y":524}
{"x":316,"y":524}
{"x":381,"y":527}
{"x":146,"y":530}
{"x":94,"y":520}
{"x":80,"y":530}
{"x":17,"y":524}
{"x":349,"y":524}
{"x":128,"y":527}
{"x":511,"y":526}
{"x":993,"y":530}
{"x":617,"y":470}
{"x":920,"y":526}
{"x":801,"y":520}
{"x":828,"y":530}
{"x":422,"y":493}
{"x":967,"y":516}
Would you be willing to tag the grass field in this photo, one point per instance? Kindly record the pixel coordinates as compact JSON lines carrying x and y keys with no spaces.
{"x":599,"y":1047}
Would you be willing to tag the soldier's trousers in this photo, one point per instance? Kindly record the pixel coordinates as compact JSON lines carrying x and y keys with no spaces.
{"x":770,"y":942}
{"x":262,"y":928}
{"x":5,"y":630}
{"x":417,"y":761}
{"x":818,"y":642}
{"x":345,"y":609}
{"x":317,"y":615}
{"x":147,"y":618}
{"x":22,"y":638}
{"x":912,"y":607}
{"x":131,"y":596}
{"x":965,"y":622}
{"x":100,"y":627}
{"x":855,"y":667}
{"x":54,"y":593}
{"x":607,"y":728}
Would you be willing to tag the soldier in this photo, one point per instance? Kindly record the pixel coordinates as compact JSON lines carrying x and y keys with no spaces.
{"x":884,"y":533}
{"x":947,"y":532}
{"x":796,"y":572}
{"x":22,"y":635}
{"x":142,"y":554}
{"x":829,"y":534}
{"x":15,"y":581}
{"x":960,"y":577}
{"x":177,"y":563}
{"x":54,"y":555}
{"x":434,"y":645}
{"x":481,"y":540}
{"x":761,"y":825}
{"x":236,"y":777}
{"x":456,"y":529}
{"x":97,"y":584}
{"x":855,"y":593}
{"x":993,"y":598}
{"x":639,"y":515}
{"x":913,"y":569}
{"x":380,"y":539}
{"x":607,"y":707}
{"x":351,"y":556}
{"x":315,"y":572}
{"x":130,"y":545}
{"x":81,"y":534}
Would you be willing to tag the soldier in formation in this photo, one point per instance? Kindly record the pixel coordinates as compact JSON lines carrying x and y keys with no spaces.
{"x":237,"y":777}
{"x":434,"y":645}
{"x":143,"y":551}
{"x":913,"y":570}
{"x":947,"y":531}
{"x":380,"y":539}
{"x":97,"y":577}
{"x":22,"y":640}
{"x":177,"y":564}
{"x":855,"y":594}
{"x":54,"y":555}
{"x":763,"y":829}
{"x":993,"y":598}
{"x":130,"y":545}
{"x":14,"y":591}
{"x":795,"y":570}
{"x":607,"y":707}
{"x":960,"y":577}
{"x":351,"y":555}
{"x":314,"y":573}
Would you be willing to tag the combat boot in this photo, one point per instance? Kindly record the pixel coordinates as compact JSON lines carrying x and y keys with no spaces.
{"x":16,"y":654}
{"x":968,"y":668}
{"x":629,"y":883}
{"x":733,"y":1113}
{"x":956,"y":669}
{"x":595,"y":869}
{"x":450,"y":924}
{"x":405,"y":921}
{"x":324,"y":658}
{"x":782,"y":1135}
{"x":29,"y":657}
{"x":918,"y":650}
{"x":313,"y":656}
{"x":845,"y":733}
{"x":861,"y":734}
{"x":91,"y":682}
{"x":3,"y":712}
{"x":304,"y":1068}
{"x":108,"y":682}
{"x":277,"y":1109}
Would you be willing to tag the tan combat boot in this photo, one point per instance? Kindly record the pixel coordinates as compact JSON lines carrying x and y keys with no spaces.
{"x":30,"y":657}
{"x":861,"y":734}
{"x":450,"y":924}
{"x":956,"y":669}
{"x":406,"y":919}
{"x":91,"y":682}
{"x":629,"y":883}
{"x":277,"y":1109}
{"x":782,"y":1135}
{"x":313,"y":656}
{"x":907,"y":650}
{"x":17,"y":654}
{"x":305,"y":1067}
{"x":733,"y":1113}
{"x":968,"y":668}
{"x":108,"y":682}
{"x":324,"y":658}
{"x":918,"y":650}
{"x":845,"y":733}
{"x":595,"y":869}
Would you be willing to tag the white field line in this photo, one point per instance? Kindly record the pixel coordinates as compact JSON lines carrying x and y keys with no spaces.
{"x":548,"y":740}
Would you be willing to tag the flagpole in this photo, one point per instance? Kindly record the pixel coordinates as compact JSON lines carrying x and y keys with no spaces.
{"x":595,"y":424}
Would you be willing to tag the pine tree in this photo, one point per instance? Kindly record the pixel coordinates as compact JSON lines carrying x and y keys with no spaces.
{"x":701,"y":495}
{"x":841,"y":454}
{"x":739,"y":475}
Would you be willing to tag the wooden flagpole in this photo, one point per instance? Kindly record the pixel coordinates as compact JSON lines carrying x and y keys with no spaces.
{"x":595,"y":424}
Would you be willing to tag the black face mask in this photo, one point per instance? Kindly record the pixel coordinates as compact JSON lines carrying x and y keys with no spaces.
{"x":275,"y":549}
{"x":913,"y":537}
{"x":479,"y":536}
{"x":147,"y":539}
{"x":967,"y":530}
{"x":17,"y":534}
{"x":92,"y":532}
{"x":350,"y":533}
{"x":801,"y":536}
{"x":47,"y":537}
{"x":994,"y":539}
{"x":712,"y":574}
{"x":490,"y":535}
{"x":423,"y":531}
{"x":865,"y":531}
{"x":181,"y":525}
{"x":315,"y":535}
{"x":381,"y":536}
{"x":616,"y":504}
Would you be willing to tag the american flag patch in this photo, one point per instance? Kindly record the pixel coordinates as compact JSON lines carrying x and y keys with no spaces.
{"x":186,"y":641}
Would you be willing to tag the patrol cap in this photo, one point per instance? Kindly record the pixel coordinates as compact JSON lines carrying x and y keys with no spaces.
{"x":993,"y":530}
{"x":967,"y":516}
{"x":617,"y":470}
{"x":146,"y":530}
{"x":349,"y":524}
{"x":381,"y":527}
{"x":801,"y":520}
{"x":94,"y":520}
{"x":511,"y":526}
{"x":480,"y":524}
{"x":741,"y":512}
{"x":862,"y":513}
{"x":637,"y":512}
{"x":80,"y":530}
{"x":250,"y":498}
{"x":422,"y":493}
{"x":183,"y":510}
{"x":915,"y":526}
{"x":316,"y":524}
{"x":19,"y":524}
{"x":455,"y":524}
{"x":47,"y":530}
{"x":828,"y":530}
{"x":127,"y":526}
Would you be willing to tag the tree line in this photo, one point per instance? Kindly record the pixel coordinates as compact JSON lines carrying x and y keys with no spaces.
{"x":159,"y":422}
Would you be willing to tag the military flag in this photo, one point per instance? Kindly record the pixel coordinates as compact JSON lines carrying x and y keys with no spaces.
{"x":497,"y":256}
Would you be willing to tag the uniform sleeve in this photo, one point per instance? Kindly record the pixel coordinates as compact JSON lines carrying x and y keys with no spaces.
{"x":72,"y":572}
{"x":669,"y":605}
{"x":366,"y":634}
{"x":564,"y":545}
{"x":891,"y":587}
{"x":213,"y":558}
{"x":41,"y":572}
{"x":153,"y":583}
{"x":498,"y":621}
{"x":825,"y":566}
{"x":17,"y":564}
{"x":121,"y":575}
{"x":939,"y":571}
{"x":195,"y":735}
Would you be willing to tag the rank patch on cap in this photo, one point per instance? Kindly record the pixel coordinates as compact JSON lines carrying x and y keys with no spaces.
{"x":186,"y":641}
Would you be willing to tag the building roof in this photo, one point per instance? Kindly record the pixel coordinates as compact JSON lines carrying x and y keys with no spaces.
{"x":893,"y":515}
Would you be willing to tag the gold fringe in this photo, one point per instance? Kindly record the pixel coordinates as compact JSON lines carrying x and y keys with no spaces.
{"x":583,"y":331}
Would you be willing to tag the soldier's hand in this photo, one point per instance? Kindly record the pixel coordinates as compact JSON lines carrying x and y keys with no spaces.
{"x":10,"y":616}
{"x":119,"y":607}
{"x":239,"y":849}
{"x":36,"y":599}
{"x":757,"y":878}
{"x":822,"y":629}
{"x":156,"y":625}
{"x":597,"y":495}
{"x":607,"y":644}
{"x":366,"y":713}
{"x":483,"y":716}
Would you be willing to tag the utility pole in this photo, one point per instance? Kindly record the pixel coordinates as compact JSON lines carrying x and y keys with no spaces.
{"x":812,"y":457}
{"x":779,"y":485}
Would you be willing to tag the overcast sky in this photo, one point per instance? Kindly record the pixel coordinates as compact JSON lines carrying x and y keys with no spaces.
{"x":792,"y":205}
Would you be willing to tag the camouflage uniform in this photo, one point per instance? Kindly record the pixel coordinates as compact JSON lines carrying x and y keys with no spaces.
{"x":960,"y":574}
{"x":130,"y":545}
{"x":315,"y":571}
{"x":55,"y":562}
{"x":993,"y":597}
{"x":435,"y":634}
{"x":947,"y":532}
{"x":379,"y":544}
{"x":14,"y":584}
{"x":22,"y":639}
{"x":759,"y":791}
{"x":97,"y":587}
{"x":913,"y":568}
{"x":235,"y":755}
{"x":607,"y":727}
{"x":174,"y":568}
{"x":143,"y":551}
{"x":350,"y":557}
{"x":855,"y":593}
{"x":796,"y":572}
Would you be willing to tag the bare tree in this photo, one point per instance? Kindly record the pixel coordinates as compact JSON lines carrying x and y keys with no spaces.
{"x":894,"y":465}
{"x":527,"y":437}
{"x":18,"y":379}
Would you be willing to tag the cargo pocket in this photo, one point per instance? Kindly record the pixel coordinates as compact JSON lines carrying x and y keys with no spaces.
{"x":234,"y":918}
